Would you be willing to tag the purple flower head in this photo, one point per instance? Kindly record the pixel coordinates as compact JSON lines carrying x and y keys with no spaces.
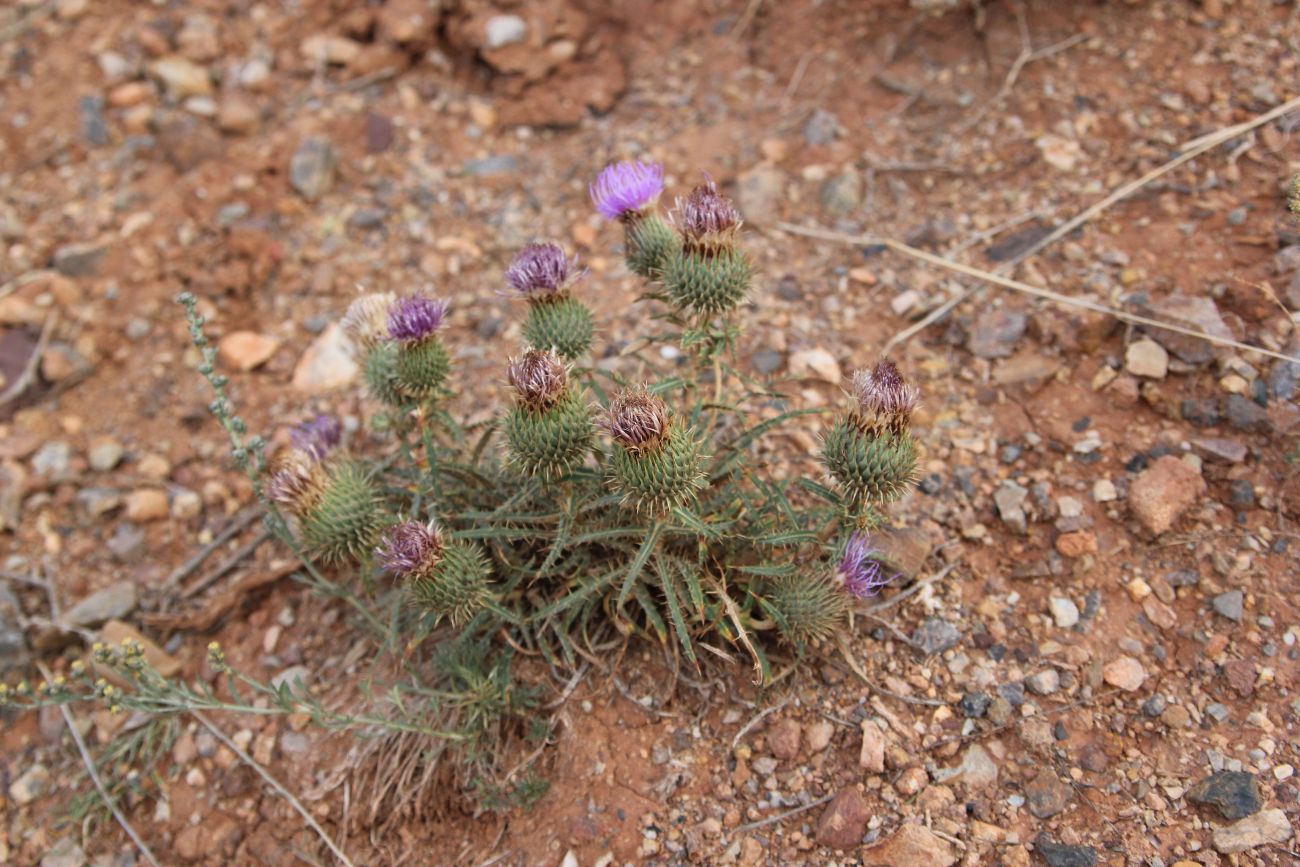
{"x":539,"y":376}
{"x":861,"y":572}
{"x":638,"y":419}
{"x":706,"y":212}
{"x":540,"y":270}
{"x":883,"y":390}
{"x":415,"y":317}
{"x":627,"y":187}
{"x":410,"y":547}
{"x":317,"y":437}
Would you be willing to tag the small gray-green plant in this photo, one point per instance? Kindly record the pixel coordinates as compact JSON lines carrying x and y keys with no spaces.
{"x":594,"y":508}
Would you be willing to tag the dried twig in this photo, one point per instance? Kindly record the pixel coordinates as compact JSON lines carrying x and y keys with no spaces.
{"x":915,"y":588}
{"x":229,"y":563}
{"x":780,"y":817}
{"x":89,"y":762}
{"x":1198,"y":147}
{"x":1037,"y":292}
{"x":183,"y":571}
{"x":755,"y":720}
{"x":274,"y":784}
{"x":25,"y":379}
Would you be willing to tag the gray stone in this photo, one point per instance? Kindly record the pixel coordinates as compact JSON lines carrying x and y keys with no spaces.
{"x":111,"y":603}
{"x":1218,"y":712}
{"x":1044,"y":682}
{"x":105,"y":455}
{"x":759,"y":193}
{"x":30,"y":785}
{"x":768,"y":361}
{"x":1220,"y":450}
{"x":935,"y":636}
{"x":51,"y":460}
{"x":1244,"y":414}
{"x":13,"y":643}
{"x":1287,"y":260}
{"x":821,"y":128}
{"x":841,"y":194}
{"x":78,"y":260}
{"x":66,"y":853}
{"x":1230,"y":605}
{"x":1234,"y":794}
{"x":997,"y":333}
{"x":1261,"y":829}
{"x":1010,"y":500}
{"x":311,"y":170}
{"x":494,"y":165}
{"x":94,"y":503}
{"x":503,"y":30}
{"x":1199,"y":313}
{"x":93,"y":126}
{"x":1155,"y":705}
{"x":128,"y":544}
{"x":1056,"y":854}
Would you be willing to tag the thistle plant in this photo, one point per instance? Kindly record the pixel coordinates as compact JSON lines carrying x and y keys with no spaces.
{"x":627,"y":192}
{"x":544,"y":276}
{"x":596,"y":507}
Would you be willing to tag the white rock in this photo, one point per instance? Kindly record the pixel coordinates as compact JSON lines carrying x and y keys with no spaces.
{"x":503,"y":30}
{"x":1147,"y":358}
{"x":815,"y":364}
{"x":327,"y":364}
{"x":1064,"y":612}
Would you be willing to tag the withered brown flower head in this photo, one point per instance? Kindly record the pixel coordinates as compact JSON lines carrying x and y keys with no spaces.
{"x":637,"y":419}
{"x":883,"y":391}
{"x":706,"y":212}
{"x":539,"y":376}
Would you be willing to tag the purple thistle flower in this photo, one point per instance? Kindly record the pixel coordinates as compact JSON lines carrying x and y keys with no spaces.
{"x":318,"y":436}
{"x":409,"y":547}
{"x":540,"y":377}
{"x":415,"y":317}
{"x":624,"y":188}
{"x":540,"y":269}
{"x":884,"y":391}
{"x":861,"y":572}
{"x":638,"y":419}
{"x":706,"y":212}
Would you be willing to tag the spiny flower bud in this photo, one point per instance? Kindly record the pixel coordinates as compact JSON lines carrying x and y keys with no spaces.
{"x":549,"y":429}
{"x":563,"y":323}
{"x":539,"y":376}
{"x":422,"y":363}
{"x":882,"y":392}
{"x":862,"y":574}
{"x":706,"y":215}
{"x":541,"y":270}
{"x":656,"y":463}
{"x":805,"y":607}
{"x":345,"y":519}
{"x":366,"y":319}
{"x":708,"y":275}
{"x":318,"y":436}
{"x":637,"y":419}
{"x":624,"y":188}
{"x":870,"y":452}
{"x":446,"y":579}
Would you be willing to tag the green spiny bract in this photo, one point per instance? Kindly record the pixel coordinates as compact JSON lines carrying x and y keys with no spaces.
{"x":806,"y":607}
{"x":421,"y":368}
{"x":649,"y":243}
{"x":659,"y":479}
{"x":872,"y":464}
{"x":548,"y":441}
{"x":707,"y":282}
{"x":345,"y":517}
{"x":379,"y":365}
{"x":562,"y":323}
{"x":455,"y":586}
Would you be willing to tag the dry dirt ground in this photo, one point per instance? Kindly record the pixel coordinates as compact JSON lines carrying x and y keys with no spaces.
{"x":1109,"y":510}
